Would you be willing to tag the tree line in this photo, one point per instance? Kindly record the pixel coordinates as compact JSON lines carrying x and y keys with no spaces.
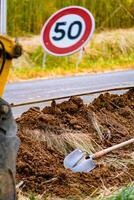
{"x":28,"y":16}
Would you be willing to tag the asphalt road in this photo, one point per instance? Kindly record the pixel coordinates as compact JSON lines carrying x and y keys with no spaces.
{"x":49,"y":88}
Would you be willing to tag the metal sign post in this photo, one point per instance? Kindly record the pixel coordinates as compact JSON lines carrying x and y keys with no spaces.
{"x":3,"y":17}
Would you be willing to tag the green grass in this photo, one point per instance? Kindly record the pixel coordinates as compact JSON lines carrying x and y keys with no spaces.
{"x":55,"y":69}
{"x":124,"y":194}
{"x":109,"y":50}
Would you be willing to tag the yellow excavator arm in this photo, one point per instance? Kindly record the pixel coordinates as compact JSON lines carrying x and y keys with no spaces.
{"x":9,"y":49}
{"x":9,"y":141}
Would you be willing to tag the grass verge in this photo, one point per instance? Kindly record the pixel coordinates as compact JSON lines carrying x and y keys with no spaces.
{"x":109,"y":50}
{"x":123,"y":194}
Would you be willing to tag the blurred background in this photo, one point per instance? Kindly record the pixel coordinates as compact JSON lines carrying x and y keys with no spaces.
{"x":111,"y":48}
{"x":28,"y":16}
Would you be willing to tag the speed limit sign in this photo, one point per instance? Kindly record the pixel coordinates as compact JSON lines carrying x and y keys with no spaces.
{"x":67,"y":31}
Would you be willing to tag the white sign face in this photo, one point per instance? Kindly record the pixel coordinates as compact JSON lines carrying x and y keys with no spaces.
{"x":67,"y":31}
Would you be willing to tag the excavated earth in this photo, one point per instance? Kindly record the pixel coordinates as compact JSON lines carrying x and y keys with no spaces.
{"x":45,"y":134}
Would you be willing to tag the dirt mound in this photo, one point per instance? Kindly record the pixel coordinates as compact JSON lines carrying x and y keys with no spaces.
{"x":47,"y":135}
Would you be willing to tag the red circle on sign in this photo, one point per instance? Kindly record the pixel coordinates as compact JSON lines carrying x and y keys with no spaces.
{"x":89,"y":29}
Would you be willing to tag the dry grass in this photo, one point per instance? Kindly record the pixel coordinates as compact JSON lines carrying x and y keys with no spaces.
{"x":70,"y":140}
{"x":64,"y":143}
{"x":110,"y":44}
{"x":106,"y":194}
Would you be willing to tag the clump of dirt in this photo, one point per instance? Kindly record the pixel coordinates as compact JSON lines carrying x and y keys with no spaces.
{"x":46,"y":135}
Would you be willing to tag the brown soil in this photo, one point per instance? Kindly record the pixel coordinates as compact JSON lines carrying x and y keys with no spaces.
{"x":40,"y":163}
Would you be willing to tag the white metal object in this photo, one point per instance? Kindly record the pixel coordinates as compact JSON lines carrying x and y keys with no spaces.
{"x":3,"y":17}
{"x":77,"y":163}
{"x":44,"y":60}
{"x":79,"y":58}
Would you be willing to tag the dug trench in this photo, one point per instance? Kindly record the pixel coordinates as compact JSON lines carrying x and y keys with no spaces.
{"x":48,"y":135}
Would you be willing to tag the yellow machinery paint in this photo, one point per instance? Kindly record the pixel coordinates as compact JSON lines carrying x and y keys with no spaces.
{"x":4,"y":76}
{"x":8,"y":50}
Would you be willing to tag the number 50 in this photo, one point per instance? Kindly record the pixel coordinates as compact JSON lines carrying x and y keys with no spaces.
{"x":59,"y":28}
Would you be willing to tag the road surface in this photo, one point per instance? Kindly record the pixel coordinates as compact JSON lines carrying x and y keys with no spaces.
{"x":49,"y":88}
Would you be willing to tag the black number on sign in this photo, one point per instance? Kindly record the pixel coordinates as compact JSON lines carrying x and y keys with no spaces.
{"x":59,"y":30}
{"x":70,"y":35}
